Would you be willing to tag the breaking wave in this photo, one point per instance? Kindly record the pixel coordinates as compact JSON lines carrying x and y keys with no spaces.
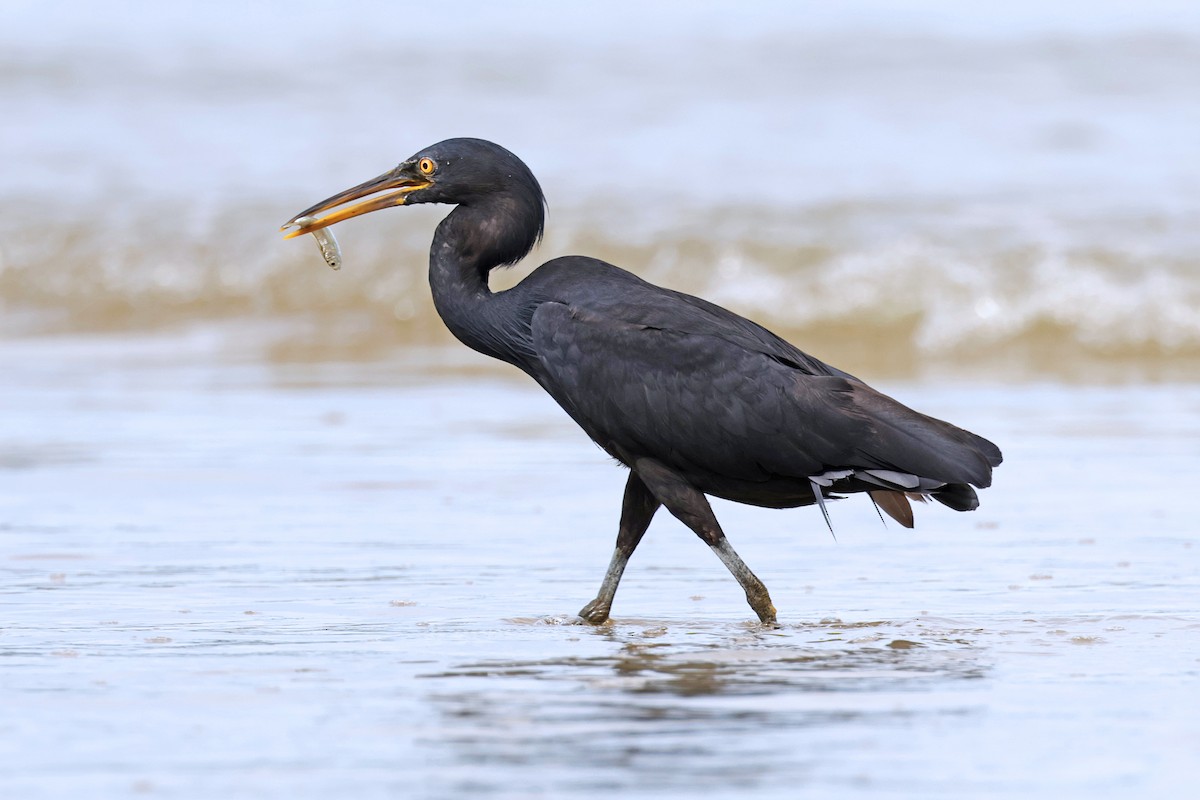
{"x":870,"y":283}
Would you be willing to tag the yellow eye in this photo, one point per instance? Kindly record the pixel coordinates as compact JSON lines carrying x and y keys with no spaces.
{"x":427,"y":166}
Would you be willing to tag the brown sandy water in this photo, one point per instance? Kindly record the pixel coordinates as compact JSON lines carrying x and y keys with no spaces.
{"x":233,"y":578}
{"x":894,"y":186}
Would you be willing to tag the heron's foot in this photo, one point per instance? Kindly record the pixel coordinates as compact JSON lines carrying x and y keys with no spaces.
{"x":756,"y":592}
{"x":762,"y":605}
{"x":595,"y":612}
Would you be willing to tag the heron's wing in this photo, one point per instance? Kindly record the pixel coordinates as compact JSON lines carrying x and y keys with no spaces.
{"x":632,"y":300}
{"x":750,"y":335}
{"x":709,"y":402}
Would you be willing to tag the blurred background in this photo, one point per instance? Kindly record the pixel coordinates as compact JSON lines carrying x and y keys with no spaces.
{"x":903,"y":189}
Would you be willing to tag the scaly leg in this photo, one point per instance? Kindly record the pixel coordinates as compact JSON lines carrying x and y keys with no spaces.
{"x":691,"y":507}
{"x":637,"y":510}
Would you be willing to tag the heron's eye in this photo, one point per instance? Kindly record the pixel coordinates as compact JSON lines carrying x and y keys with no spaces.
{"x":427,"y":166}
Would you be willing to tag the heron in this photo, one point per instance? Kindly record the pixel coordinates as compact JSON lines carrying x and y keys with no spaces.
{"x":694,"y":400}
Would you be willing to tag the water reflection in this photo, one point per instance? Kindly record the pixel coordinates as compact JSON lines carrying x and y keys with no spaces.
{"x":698,"y":699}
{"x":657,"y":657}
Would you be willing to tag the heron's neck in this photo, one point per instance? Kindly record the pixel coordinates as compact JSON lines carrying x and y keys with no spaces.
{"x":460,"y":259}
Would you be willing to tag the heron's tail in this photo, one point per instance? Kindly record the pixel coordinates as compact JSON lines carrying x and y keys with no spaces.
{"x":959,"y":496}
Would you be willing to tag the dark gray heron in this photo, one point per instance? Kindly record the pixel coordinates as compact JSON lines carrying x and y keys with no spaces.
{"x":692,"y":398}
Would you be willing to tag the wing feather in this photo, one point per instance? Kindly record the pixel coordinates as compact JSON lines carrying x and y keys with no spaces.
{"x":730,"y":403}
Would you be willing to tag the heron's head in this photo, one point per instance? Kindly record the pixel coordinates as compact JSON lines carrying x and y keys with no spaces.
{"x":457,"y":171}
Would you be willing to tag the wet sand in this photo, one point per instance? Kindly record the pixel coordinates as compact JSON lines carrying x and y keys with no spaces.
{"x":231,"y":578}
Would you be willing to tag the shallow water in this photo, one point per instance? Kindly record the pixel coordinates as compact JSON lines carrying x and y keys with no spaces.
{"x":223,"y":578}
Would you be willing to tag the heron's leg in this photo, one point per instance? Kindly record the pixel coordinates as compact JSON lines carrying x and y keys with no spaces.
{"x":691,"y":507}
{"x":636,"y":512}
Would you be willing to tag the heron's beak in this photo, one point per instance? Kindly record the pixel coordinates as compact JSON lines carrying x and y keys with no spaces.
{"x":394,"y":186}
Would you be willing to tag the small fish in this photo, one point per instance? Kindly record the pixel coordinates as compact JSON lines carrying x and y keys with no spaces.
{"x":329,"y":246}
